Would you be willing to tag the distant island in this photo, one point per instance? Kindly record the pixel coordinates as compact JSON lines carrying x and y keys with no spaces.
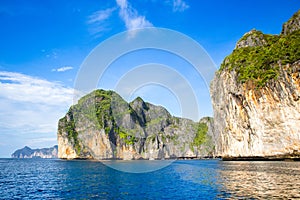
{"x":27,"y":152}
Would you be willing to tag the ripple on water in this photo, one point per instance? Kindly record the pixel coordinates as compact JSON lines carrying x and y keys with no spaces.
{"x":261,"y":179}
{"x":194,"y":179}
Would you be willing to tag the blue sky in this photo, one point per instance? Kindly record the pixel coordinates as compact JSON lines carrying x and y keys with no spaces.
{"x":44,"y":43}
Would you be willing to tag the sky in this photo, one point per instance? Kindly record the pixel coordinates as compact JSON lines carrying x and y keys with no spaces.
{"x":44,"y":44}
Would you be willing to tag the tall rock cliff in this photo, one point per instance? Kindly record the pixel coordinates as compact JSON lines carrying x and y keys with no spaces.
{"x":256,"y":95}
{"x":27,"y":152}
{"x":104,"y":126}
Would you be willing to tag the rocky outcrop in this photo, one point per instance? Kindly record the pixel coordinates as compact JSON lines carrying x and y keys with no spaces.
{"x":256,"y":96}
{"x":104,"y":126}
{"x":291,"y":25}
{"x":27,"y":152}
{"x":252,"y":39}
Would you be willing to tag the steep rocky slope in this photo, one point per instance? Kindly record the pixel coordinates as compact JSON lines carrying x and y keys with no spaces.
{"x":256,"y":95}
{"x":104,"y":126}
{"x":27,"y":152}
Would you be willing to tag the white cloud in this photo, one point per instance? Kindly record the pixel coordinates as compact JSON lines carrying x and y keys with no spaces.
{"x":63,"y":69}
{"x":30,"y":105}
{"x":24,"y":88}
{"x":98,"y":21}
{"x":122,"y":3}
{"x":179,"y":5}
{"x":131,"y":17}
{"x":100,"y":16}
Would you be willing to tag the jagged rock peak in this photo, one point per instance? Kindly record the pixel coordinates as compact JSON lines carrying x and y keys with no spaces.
{"x":292,"y":24}
{"x":138,"y":99}
{"x":139,"y":102}
{"x":251,"y":39}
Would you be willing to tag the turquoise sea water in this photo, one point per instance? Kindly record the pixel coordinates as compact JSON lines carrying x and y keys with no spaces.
{"x":185,"y":179}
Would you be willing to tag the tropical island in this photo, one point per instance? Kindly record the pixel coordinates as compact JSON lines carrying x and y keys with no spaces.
{"x":256,"y":101}
{"x":104,"y":126}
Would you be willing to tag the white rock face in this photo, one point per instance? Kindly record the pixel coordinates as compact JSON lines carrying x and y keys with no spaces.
{"x":65,"y":149}
{"x":257,"y":122}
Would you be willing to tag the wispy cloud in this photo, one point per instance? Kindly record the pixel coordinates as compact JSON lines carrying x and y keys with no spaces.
{"x":62,"y":69}
{"x":31,"y":105}
{"x":101,"y":15}
{"x":131,"y":17}
{"x":53,"y":54}
{"x":98,"y":21}
{"x":178,"y":5}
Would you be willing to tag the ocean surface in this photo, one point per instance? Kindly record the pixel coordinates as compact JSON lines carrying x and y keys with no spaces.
{"x":184,"y":179}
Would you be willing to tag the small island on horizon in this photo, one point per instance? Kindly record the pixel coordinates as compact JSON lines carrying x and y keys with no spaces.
{"x":27,"y":152}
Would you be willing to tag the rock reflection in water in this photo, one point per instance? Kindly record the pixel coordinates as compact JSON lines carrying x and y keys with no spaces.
{"x":263,"y":180}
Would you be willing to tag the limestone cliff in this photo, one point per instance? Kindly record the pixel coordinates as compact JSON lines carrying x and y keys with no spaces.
{"x":27,"y":152}
{"x":104,"y":126}
{"x":256,"y":95}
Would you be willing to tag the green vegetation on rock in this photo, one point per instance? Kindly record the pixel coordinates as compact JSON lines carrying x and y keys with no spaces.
{"x":201,"y":134}
{"x":260,"y":64}
{"x":139,"y":125}
{"x":156,"y":121}
{"x":96,"y":107}
{"x":128,"y":138}
{"x":72,"y":133}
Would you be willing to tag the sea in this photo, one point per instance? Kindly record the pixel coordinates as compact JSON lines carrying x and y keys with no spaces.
{"x":140,"y":179}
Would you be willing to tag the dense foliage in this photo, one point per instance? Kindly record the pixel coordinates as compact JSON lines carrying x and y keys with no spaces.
{"x":200,"y":137}
{"x":128,"y":139}
{"x":260,"y":64}
{"x":97,"y":108}
{"x":72,"y":133}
